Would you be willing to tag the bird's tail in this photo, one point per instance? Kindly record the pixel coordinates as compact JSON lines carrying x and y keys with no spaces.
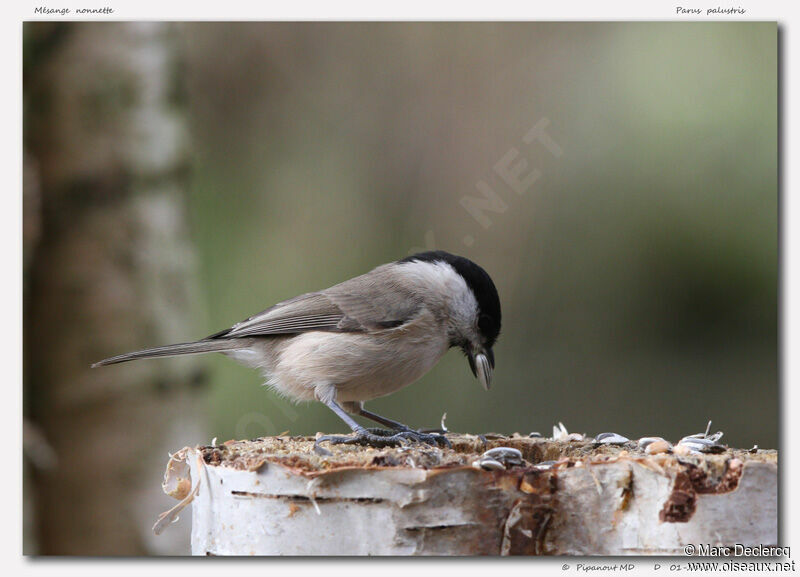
{"x":204,"y":346}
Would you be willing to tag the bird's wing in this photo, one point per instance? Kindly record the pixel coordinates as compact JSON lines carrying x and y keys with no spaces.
{"x":363,"y":304}
{"x":308,"y":312}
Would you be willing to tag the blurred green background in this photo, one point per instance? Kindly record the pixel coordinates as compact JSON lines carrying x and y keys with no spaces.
{"x":638,"y":274}
{"x":617,"y":180}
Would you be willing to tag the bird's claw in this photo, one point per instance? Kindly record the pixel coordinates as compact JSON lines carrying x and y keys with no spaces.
{"x":382,"y":432}
{"x":428,"y":436}
{"x":364,"y":438}
{"x":432,"y":438}
{"x":380,"y":438}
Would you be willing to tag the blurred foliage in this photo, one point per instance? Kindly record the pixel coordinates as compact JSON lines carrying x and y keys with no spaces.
{"x":638,"y":274}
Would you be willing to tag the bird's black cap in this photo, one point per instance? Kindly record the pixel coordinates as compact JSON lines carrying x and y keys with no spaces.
{"x":479,"y":281}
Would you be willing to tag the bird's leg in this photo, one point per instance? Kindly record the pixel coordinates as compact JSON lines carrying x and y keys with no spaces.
{"x":362,"y":435}
{"x":365,"y":437}
{"x":395,"y":426}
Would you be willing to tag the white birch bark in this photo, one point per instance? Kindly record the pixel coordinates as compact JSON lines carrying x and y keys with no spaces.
{"x":256,"y":498}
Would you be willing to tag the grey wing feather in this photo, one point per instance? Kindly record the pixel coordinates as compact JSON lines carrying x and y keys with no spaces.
{"x":308,"y":312}
{"x":376,"y":300}
{"x":363,"y":304}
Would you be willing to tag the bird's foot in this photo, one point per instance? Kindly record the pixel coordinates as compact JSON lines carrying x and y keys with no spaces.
{"x":384,"y":432}
{"x":436,"y":439}
{"x":428,"y":436}
{"x":380,"y":438}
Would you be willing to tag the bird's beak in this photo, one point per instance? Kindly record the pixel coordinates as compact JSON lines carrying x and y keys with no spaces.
{"x":482,"y":364}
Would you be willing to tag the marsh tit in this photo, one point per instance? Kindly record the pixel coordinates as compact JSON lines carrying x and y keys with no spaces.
{"x":365,"y":338}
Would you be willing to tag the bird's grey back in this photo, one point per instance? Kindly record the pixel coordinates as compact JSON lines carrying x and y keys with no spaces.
{"x":373,"y":301}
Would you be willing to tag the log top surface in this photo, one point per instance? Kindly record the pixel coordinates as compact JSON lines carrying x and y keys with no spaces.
{"x":298,"y":454}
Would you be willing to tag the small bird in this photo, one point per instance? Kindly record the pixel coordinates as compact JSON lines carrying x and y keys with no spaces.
{"x":365,"y":338}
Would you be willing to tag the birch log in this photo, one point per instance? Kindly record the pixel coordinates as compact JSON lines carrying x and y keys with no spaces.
{"x":111,"y":270}
{"x":276,"y":496}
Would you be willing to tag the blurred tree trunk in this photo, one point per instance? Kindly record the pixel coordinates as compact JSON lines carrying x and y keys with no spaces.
{"x":108,"y":270}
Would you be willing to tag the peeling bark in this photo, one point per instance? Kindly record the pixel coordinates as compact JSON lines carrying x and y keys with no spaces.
{"x":275,"y":496}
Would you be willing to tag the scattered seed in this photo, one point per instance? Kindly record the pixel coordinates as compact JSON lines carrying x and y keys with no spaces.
{"x":506,"y":455}
{"x":658,"y":447}
{"x":684,"y":450}
{"x":702,"y":436}
{"x":488,"y":464}
{"x":610,"y":439}
{"x":703,"y":445}
{"x":560,"y":433}
{"x":644,"y":441}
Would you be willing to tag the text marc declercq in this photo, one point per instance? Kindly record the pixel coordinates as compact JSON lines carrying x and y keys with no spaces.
{"x":742,"y":551}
